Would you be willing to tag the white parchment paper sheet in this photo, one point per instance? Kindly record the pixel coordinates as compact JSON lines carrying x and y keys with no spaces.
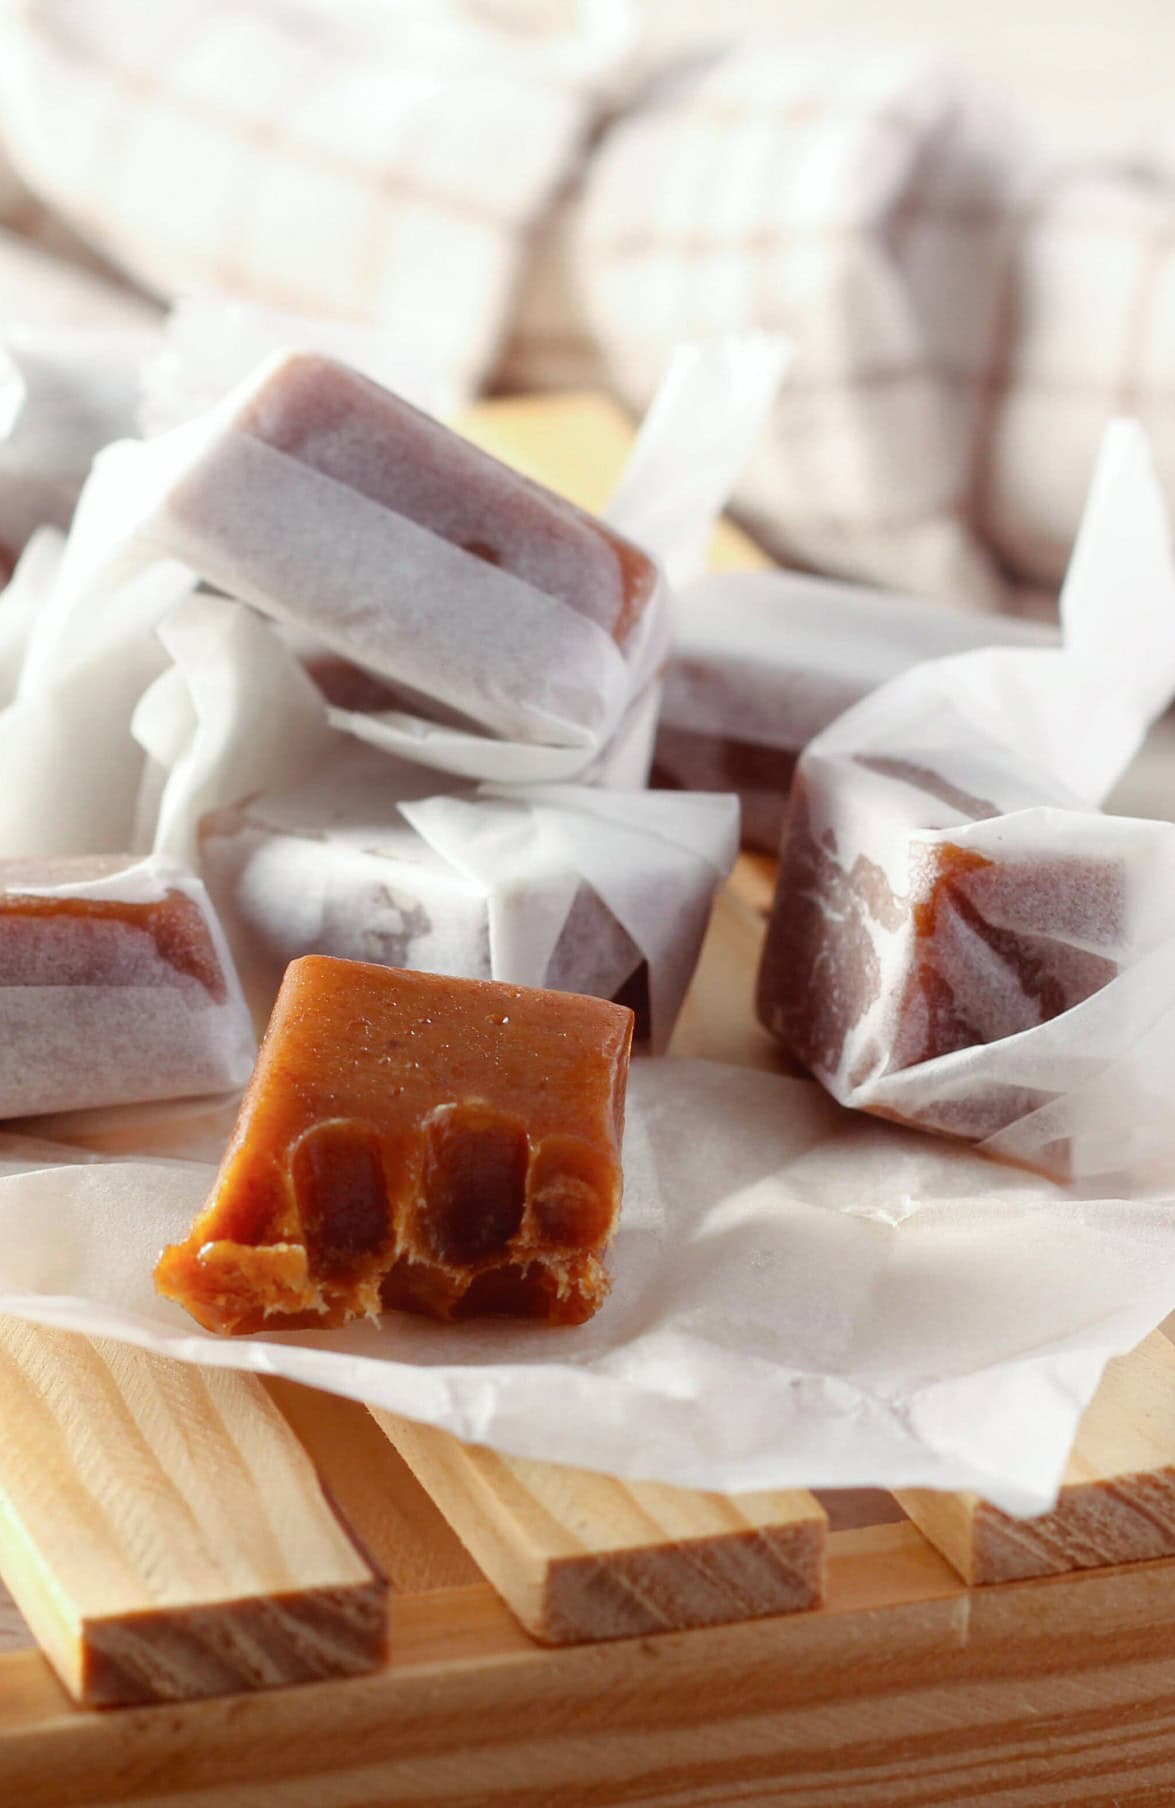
{"x":802,"y":1298}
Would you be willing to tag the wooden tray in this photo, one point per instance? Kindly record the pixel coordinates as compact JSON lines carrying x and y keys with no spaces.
{"x":251,"y":1595}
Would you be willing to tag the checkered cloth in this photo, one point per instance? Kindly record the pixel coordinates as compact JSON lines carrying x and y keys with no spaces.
{"x":541,"y":211}
{"x":372,"y":162}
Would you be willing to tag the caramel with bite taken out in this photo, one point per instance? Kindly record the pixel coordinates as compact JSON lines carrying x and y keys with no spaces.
{"x":442,"y":1146}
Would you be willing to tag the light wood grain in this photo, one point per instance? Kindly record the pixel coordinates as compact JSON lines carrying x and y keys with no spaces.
{"x":1117,"y":1504}
{"x":579,"y":1556}
{"x":402,"y":1529}
{"x":162,"y":1531}
{"x":14,"y":1631}
{"x":905,"y":1691}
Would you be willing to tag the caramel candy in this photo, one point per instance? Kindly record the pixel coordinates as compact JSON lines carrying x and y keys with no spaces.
{"x":442,"y":1146}
{"x":762,"y":661}
{"x":359,"y":861}
{"x":116,"y":987}
{"x":342,"y":425}
{"x":862,"y":980}
{"x":339,"y":509}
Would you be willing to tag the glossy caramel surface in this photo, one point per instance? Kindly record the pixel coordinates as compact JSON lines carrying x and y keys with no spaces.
{"x":438,"y":1145}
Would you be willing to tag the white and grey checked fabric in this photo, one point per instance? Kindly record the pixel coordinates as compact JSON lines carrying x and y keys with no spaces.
{"x":349,"y":161}
{"x":541,"y":211}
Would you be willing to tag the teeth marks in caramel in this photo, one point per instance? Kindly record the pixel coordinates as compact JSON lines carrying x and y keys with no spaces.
{"x":473,"y":1189}
{"x":440,"y":1146}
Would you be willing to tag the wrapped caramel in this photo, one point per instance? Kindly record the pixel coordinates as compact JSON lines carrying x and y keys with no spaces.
{"x":959,"y":939}
{"x":514,"y":637}
{"x":322,"y":499}
{"x":116,"y":987}
{"x":566,"y":887}
{"x":763,"y":660}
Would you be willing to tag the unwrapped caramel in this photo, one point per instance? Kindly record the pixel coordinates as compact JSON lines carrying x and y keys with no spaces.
{"x":445,"y":1146}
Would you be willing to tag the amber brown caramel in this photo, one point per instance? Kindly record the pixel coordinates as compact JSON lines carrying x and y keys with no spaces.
{"x":174,"y":923}
{"x":761,"y":776}
{"x":347,"y":428}
{"x":443,"y":1146}
{"x":961,"y":893}
{"x":996,"y":948}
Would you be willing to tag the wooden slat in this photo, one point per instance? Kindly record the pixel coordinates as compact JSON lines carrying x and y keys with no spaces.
{"x":404,"y":1532}
{"x":14,"y":1632}
{"x":162,"y":1530}
{"x":905,"y":1691}
{"x":1117,"y":1504}
{"x":582,"y":1557}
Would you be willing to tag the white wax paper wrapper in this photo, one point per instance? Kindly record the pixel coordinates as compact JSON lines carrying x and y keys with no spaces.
{"x":653,"y":861}
{"x":312,"y":842}
{"x":960,"y":940}
{"x":64,"y":394}
{"x":772,"y":657}
{"x":71,"y":675}
{"x":20,"y":604}
{"x":106,"y":1011}
{"x":693,"y":443}
{"x":210,"y":343}
{"x":234,"y":714}
{"x":800,"y":1299}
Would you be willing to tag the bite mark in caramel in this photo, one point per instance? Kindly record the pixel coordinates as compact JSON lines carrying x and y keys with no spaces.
{"x":435,"y":1145}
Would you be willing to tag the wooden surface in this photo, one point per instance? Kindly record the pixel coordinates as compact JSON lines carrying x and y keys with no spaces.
{"x":163,"y":1532}
{"x":905,"y":1691}
{"x":14,"y":1629}
{"x":1118,"y":1501}
{"x":402,"y":1530}
{"x":582,"y":1557}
